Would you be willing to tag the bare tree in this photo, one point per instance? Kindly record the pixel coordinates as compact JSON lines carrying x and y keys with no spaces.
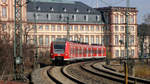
{"x":147,"y":19}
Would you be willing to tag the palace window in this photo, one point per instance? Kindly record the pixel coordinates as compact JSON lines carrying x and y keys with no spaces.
{"x":53,"y":38}
{"x":81,"y":39}
{"x":92,"y":39}
{"x":64,"y":28}
{"x":132,"y":53}
{"x":76,"y":27}
{"x":122,"y":53}
{"x":41,"y":27}
{"x":70,"y":38}
{"x":58,"y":27}
{"x":41,"y":40}
{"x":47,"y":27}
{"x":4,"y":12}
{"x":131,"y":19}
{"x":122,"y":39}
{"x":116,"y":28}
{"x":92,"y":28}
{"x":53,"y":28}
{"x":131,"y":39}
{"x":70,"y":28}
{"x":4,"y":1}
{"x":86,"y":39}
{"x":122,"y":19}
{"x":87,"y":28}
{"x":131,"y":28}
{"x":122,"y":28}
{"x":75,"y":38}
{"x":47,"y":40}
{"x":4,"y":27}
{"x":116,"y":39}
{"x":117,"y":53}
{"x":97,"y":39}
{"x":81,"y":28}
{"x":97,"y":28}
{"x":28,"y":39}
{"x":116,"y":18}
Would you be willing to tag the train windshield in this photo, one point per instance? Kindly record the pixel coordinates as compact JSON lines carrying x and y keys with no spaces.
{"x":59,"y":48}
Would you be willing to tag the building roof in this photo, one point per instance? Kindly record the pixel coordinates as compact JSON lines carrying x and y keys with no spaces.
{"x":117,"y":8}
{"x":59,"y":7}
{"x":54,"y":1}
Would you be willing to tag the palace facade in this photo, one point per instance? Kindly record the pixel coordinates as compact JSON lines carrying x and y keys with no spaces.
{"x":52,"y":19}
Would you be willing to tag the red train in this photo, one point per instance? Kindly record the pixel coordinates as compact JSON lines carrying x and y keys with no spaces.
{"x":62,"y":50}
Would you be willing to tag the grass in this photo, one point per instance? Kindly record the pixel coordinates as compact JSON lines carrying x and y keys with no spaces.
{"x":142,"y":71}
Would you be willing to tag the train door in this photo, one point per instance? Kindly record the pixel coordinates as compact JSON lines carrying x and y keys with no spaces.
{"x":84,"y":52}
{"x":89,"y":52}
{"x":71,"y":52}
{"x":99,"y":52}
{"x":76,"y":53}
{"x":104,"y":51}
{"x":94,"y":52}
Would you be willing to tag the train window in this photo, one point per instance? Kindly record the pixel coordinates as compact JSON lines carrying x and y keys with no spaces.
{"x":76,"y":50}
{"x":87,"y":52}
{"x":99,"y":51}
{"x":102,"y":51}
{"x":94,"y":51}
{"x":59,"y":47}
{"x":71,"y":51}
{"x":91,"y":51}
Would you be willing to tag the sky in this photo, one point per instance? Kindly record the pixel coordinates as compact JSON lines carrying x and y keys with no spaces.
{"x":143,"y":6}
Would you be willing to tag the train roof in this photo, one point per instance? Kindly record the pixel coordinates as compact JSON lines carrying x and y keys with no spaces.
{"x":84,"y":43}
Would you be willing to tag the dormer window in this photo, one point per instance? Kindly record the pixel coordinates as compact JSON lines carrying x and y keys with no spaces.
{"x":97,"y":18}
{"x":64,"y":9}
{"x":86,"y":17}
{"x":38,"y":8}
{"x":51,"y":9}
{"x":88,"y":10}
{"x":76,"y":10}
{"x":74,"y":17}
{"x":61,"y":17}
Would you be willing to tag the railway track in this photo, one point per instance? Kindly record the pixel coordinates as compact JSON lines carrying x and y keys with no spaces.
{"x":78,"y":73}
{"x":81,"y":73}
{"x":115,"y":75}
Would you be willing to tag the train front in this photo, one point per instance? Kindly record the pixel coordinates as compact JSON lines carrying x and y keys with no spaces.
{"x":58,"y":52}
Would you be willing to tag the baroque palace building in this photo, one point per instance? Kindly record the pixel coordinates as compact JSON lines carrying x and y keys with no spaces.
{"x":105,"y":26}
